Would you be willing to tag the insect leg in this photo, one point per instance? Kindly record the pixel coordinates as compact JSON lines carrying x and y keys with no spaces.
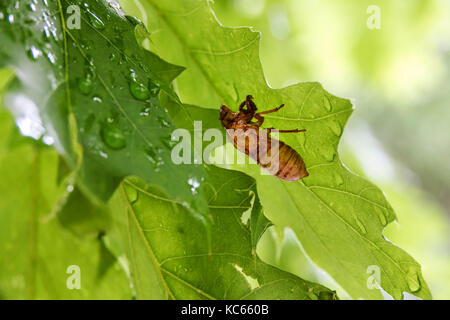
{"x":273,"y":110}
{"x":260,"y":119}
{"x":242,"y":105}
{"x":251,"y":106}
{"x":287,"y":131}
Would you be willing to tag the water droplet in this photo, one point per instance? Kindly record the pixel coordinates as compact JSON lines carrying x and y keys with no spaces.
{"x":194,"y":184}
{"x":139,"y":90}
{"x":327,"y":103}
{"x":113,"y":137}
{"x":135,"y":21}
{"x":153,"y":157}
{"x":154,"y":88}
{"x":361,"y":226}
{"x":169,"y":143}
{"x":86,"y":85}
{"x":32,"y":7}
{"x":97,"y":99}
{"x":114,"y":5}
{"x":96,"y":22}
{"x":145,"y":112}
{"x":335,"y":128}
{"x":412,"y":279}
{"x":48,"y":140}
{"x":51,"y":58}
{"x":11,"y":18}
{"x":34,"y":53}
{"x":103,"y":154}
{"x":163,"y":122}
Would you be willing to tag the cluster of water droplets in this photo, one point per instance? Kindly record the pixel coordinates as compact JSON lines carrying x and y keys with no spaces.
{"x":154,"y":155}
{"x":42,"y":22}
{"x":35,"y":30}
{"x":30,"y":24}
{"x":142,"y":90}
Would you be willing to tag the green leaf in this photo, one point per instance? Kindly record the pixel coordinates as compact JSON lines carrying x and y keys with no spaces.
{"x":337,"y":216}
{"x":35,"y":250}
{"x":184,"y":118}
{"x":168,"y":254}
{"x":97,"y":87}
{"x":258,"y":221}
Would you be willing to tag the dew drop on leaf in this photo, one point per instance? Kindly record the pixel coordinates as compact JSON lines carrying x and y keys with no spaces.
{"x":34,"y":53}
{"x":114,"y":5}
{"x":113,"y":137}
{"x":46,"y":34}
{"x":32,"y":7}
{"x":96,"y":22}
{"x":139,"y":90}
{"x":97,"y":99}
{"x":86,"y":85}
{"x":163,"y":122}
{"x":154,"y":88}
{"x":169,"y":143}
{"x":51,"y":58}
{"x":135,"y":21}
{"x":145,"y":112}
{"x":153,"y":157}
{"x":103,"y":154}
{"x":151,"y":154}
{"x":194,"y":184}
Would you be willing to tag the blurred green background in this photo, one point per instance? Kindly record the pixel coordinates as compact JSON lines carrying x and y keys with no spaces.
{"x":398,"y":78}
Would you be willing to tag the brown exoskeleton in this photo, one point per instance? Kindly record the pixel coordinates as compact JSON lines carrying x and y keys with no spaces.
{"x":281,"y":161}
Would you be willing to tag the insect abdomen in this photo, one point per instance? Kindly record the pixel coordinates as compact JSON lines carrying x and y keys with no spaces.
{"x":273,"y":155}
{"x":291,"y":165}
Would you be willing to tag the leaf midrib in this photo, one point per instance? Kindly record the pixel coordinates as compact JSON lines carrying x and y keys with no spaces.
{"x":156,"y":263}
{"x":187,"y":48}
